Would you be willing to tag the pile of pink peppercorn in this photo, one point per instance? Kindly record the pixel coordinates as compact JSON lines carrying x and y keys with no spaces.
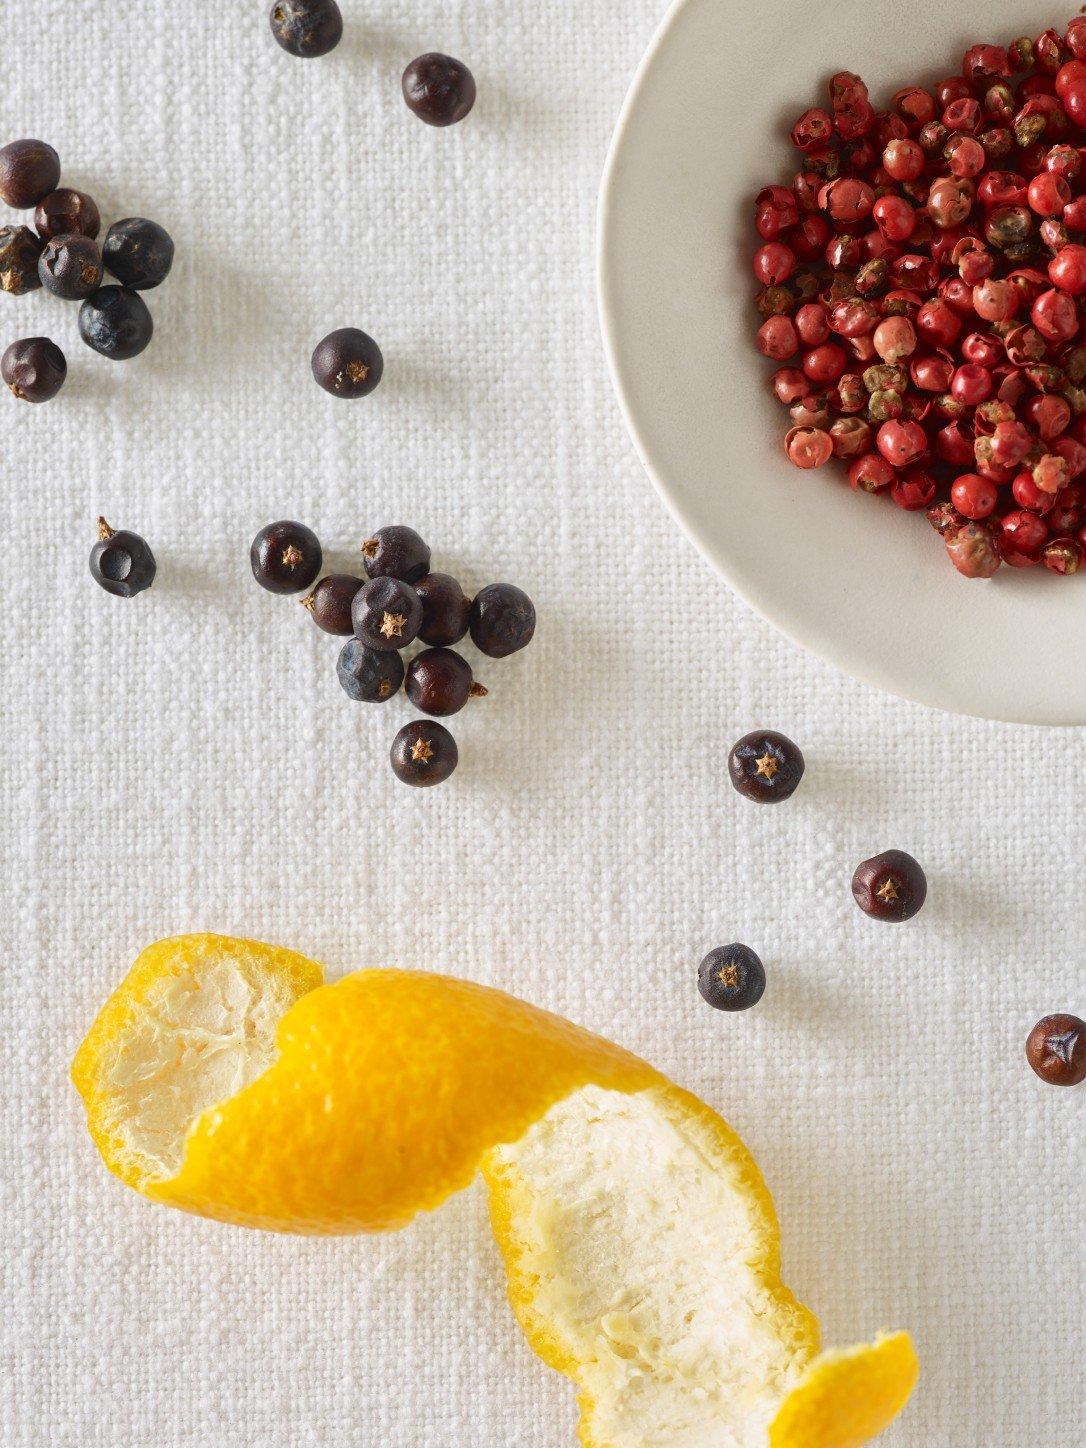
{"x":925,"y":298}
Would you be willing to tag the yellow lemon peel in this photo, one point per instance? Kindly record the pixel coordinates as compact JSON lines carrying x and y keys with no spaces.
{"x":640,"y":1241}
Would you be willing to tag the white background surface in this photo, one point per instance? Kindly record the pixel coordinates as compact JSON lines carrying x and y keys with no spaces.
{"x":187,"y":761}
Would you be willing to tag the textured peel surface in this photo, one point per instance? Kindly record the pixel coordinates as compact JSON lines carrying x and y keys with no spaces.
{"x":640,"y":1242}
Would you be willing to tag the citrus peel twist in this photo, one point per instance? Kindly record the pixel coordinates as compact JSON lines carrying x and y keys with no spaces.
{"x":640,"y":1242}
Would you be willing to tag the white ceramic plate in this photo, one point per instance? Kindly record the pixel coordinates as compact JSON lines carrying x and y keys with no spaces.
{"x":853,"y":578}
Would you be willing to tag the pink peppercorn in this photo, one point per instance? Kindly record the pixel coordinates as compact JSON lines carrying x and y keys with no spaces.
{"x":1073,"y":454}
{"x":1022,"y":535}
{"x":1028,"y":495}
{"x":1067,"y":270}
{"x":931,"y":374}
{"x":808,"y":447}
{"x":1010,"y":442}
{"x":894,"y":217}
{"x":904,"y":160}
{"x":1051,"y":473}
{"x":871,"y":474}
{"x":1055,"y":316}
{"x":812,"y":324}
{"x":790,"y":385}
{"x":913,"y":490}
{"x":938,"y":324}
{"x":965,"y":156}
{"x":895,"y":339}
{"x":774,"y":263}
{"x":1049,"y":414}
{"x":995,"y":301}
{"x":826,"y":363}
{"x":973,"y":496}
{"x":971,"y":384}
{"x":901,"y":443}
{"x":1062,"y":555}
{"x":1048,"y":194}
{"x":972,"y":550}
{"x":847,"y":199}
{"x":851,"y":437}
{"x":778,"y":339}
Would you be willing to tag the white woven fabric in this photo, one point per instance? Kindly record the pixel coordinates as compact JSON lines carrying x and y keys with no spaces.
{"x":187,"y":761}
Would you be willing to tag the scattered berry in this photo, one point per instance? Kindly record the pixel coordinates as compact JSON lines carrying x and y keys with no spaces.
{"x":307,"y":28}
{"x":116,"y":323}
{"x":29,"y":170}
{"x":285,"y":557}
{"x":1056,"y":1049}
{"x":65,"y":213}
{"x":387,"y":614}
{"x":731,"y":978}
{"x":121,"y":563}
{"x":440,"y":682}
{"x":330,"y":603}
{"x":369,"y":676}
{"x":765,"y":766}
{"x":20,"y":251}
{"x":71,"y":267}
{"x":34,"y":369}
{"x":396,"y":552}
{"x":438,"y":89}
{"x":890,"y":886}
{"x":138,"y":252}
{"x":423,"y":753}
{"x":348,"y":363}
{"x":502,"y":620}
{"x":446,"y":610}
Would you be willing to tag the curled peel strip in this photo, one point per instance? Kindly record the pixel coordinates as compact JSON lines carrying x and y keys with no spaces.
{"x":640,"y":1242}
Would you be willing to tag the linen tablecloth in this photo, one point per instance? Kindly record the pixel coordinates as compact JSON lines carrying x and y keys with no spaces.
{"x":187,"y":761}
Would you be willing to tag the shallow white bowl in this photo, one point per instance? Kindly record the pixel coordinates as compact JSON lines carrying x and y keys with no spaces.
{"x":853,"y":578}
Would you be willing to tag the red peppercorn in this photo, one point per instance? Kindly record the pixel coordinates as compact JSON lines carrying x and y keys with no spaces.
{"x":974,"y":496}
{"x":1049,"y":415}
{"x":1051,"y":474}
{"x":808,"y":239}
{"x":1076,"y":37}
{"x":931,"y":373}
{"x":826,"y":363}
{"x":963,"y":114}
{"x":954,"y":445}
{"x":965,"y":156}
{"x":982,"y":350}
{"x":1022,"y":535}
{"x":813,"y":130}
{"x":1074,"y":214}
{"x":914,"y":105}
{"x":851,"y":437}
{"x":1073,"y":454}
{"x":995,"y":301}
{"x":776,"y":210}
{"x":950,"y":200}
{"x":938,"y":323}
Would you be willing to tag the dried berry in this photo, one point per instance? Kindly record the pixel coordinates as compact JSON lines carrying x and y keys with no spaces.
{"x":306,"y":28}
{"x":65,"y":213}
{"x":1056,"y":1049}
{"x":34,"y":369}
{"x":387,"y":614}
{"x":890,"y":886}
{"x":731,"y":978}
{"x":440,"y":682}
{"x":330,"y":603}
{"x":121,"y":563}
{"x":29,"y":170}
{"x":765,"y":766}
{"x":20,"y":251}
{"x":502,"y":620}
{"x":116,"y":323}
{"x":285,"y":557}
{"x":396,"y":552}
{"x":138,"y":252}
{"x":423,"y":753}
{"x":369,"y":676}
{"x":348,"y":363}
{"x":71,"y":267}
{"x":446,"y":610}
{"x":438,"y":89}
